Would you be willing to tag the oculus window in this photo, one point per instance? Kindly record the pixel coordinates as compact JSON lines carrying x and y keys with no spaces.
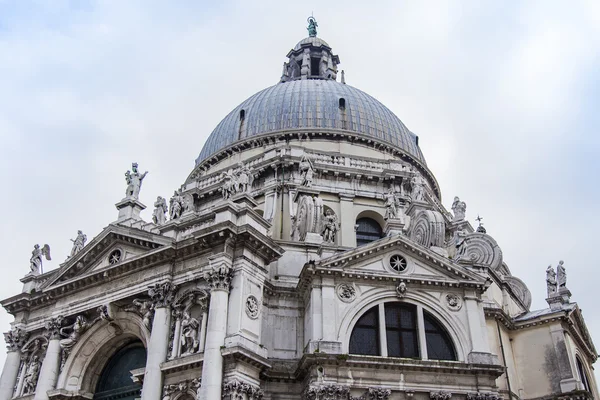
{"x":392,"y":330}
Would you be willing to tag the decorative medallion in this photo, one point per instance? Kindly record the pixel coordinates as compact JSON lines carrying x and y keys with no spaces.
{"x":346,"y":292}
{"x":398,"y":263}
{"x":115,"y":257}
{"x":453,"y":301}
{"x":252,"y":307}
{"x":401,"y":290}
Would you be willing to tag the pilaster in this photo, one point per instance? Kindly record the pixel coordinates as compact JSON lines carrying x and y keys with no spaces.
{"x":347,"y":218}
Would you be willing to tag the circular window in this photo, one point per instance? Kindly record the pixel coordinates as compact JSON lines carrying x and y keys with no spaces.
{"x":398,"y":263}
{"x":115,"y":257}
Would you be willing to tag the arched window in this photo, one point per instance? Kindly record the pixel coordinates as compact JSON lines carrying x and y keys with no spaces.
{"x":367,"y":231}
{"x":115,"y":380}
{"x":401,"y":323}
{"x":582,"y":375}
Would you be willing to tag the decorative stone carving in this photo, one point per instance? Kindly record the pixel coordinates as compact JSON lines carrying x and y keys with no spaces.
{"x":442,"y":395}
{"x":330,"y":226}
{"x":346,"y":292}
{"x":252,"y":307}
{"x":561,"y":276}
{"x":160,"y":210}
{"x":189,"y":334}
{"x":459,"y":208}
{"x":134,"y":182}
{"x":520,"y":290}
{"x":393,"y":208}
{"x":327,"y":392}
{"x":418,"y":188}
{"x":15,"y":339}
{"x":238,"y":180}
{"x":53,"y":327}
{"x":35,"y":262}
{"x":78,"y":243}
{"x":219,"y":278}
{"x":307,"y":171}
{"x":481,"y":250}
{"x":172,"y":391}
{"x":551,"y":281}
{"x":379,"y":393}
{"x":453,"y":301}
{"x":428,"y":229}
{"x":483,"y":396}
{"x":460,"y":246}
{"x":176,"y":205}
{"x":162,"y":294}
{"x":31,"y":376}
{"x":72,"y":333}
{"x":401,"y":290}
{"x":241,"y":390}
{"x":145,"y":308}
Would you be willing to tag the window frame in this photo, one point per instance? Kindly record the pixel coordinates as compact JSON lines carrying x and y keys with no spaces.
{"x":421,"y":341}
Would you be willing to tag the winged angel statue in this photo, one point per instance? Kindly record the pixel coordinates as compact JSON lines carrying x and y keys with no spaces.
{"x":36,"y":258}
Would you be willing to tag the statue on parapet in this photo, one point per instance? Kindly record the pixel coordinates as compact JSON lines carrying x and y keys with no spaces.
{"x":176,"y":203}
{"x":418,"y":188}
{"x":550,"y":281}
{"x":36,"y":258}
{"x":134,"y":181}
{"x":238,"y":180}
{"x":78,"y":243}
{"x":160,"y":209}
{"x":307,"y":171}
{"x":459,"y":208}
{"x":393,"y":208}
{"x":561,"y":277}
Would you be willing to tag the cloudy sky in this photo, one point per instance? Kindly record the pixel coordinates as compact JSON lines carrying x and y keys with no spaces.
{"x":503,"y":95}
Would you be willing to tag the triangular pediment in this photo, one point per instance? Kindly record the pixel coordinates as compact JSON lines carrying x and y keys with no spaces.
{"x":398,"y":258}
{"x":114,"y":245}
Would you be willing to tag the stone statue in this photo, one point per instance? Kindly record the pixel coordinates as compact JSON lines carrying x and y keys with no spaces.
{"x":146,"y":309}
{"x":160,"y":209}
{"x":391,"y":210}
{"x":189,"y":334}
{"x":312,"y":26}
{"x":459,"y":209}
{"x":460,"y":244}
{"x":561,"y":276}
{"x":134,"y":181}
{"x":176,"y":204}
{"x":236,"y":181}
{"x":35,"y":262}
{"x":306,"y":168}
{"x":78,"y":243}
{"x":31,"y":375}
{"x":330,"y":226}
{"x":73,"y":332}
{"x":550,"y":281}
{"x":243,"y":178}
{"x":418,"y":188}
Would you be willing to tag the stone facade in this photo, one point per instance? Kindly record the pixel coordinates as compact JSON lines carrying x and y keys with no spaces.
{"x":314,"y":263}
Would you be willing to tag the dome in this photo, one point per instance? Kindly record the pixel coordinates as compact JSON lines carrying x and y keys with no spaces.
{"x":313,"y":41}
{"x":311,"y":104}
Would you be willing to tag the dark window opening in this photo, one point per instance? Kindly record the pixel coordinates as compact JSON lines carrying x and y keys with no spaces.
{"x":417,"y":140}
{"x":115,"y":381}
{"x":242,"y":115}
{"x":582,"y":375}
{"x":365,"y":337}
{"x":342,"y":103}
{"x":439,"y":344}
{"x":367,"y":231}
{"x":314,"y":66}
{"x":401,"y":330}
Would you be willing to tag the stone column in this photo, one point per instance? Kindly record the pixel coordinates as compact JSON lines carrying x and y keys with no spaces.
{"x":162,"y":295}
{"x":219,"y":280}
{"x":14,"y":340}
{"x":51,"y":364}
{"x":176,"y":351}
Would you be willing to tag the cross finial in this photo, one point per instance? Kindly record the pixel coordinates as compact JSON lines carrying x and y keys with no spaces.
{"x":480,"y":228}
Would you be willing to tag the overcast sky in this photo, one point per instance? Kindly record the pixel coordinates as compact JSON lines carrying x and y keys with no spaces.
{"x":503,"y":95}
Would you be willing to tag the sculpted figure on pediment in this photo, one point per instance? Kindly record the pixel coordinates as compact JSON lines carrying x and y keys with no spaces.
{"x":551,"y":281}
{"x":176,"y":205}
{"x":35,"y":262}
{"x":78,"y":243}
{"x":160,"y":210}
{"x":459,"y":208}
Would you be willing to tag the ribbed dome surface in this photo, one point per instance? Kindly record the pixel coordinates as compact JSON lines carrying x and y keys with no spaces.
{"x":313,"y":40}
{"x":311,"y":104}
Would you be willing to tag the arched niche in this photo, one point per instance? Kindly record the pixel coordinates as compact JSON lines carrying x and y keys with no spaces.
{"x":369,"y":227}
{"x":90,"y":355}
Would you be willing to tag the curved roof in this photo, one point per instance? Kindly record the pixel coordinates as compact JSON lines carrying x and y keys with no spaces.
{"x":312,"y":104}
{"x":312,"y":40}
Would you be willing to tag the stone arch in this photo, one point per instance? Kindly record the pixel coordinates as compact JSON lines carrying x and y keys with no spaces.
{"x":372,"y":214}
{"x":89,"y":356}
{"x":457,"y":332}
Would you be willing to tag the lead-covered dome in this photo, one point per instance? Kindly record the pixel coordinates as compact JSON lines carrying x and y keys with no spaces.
{"x":308,"y":98}
{"x":311,"y":104}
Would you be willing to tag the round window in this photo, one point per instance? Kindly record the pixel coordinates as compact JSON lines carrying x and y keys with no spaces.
{"x":115,"y":257}
{"x":398,"y":263}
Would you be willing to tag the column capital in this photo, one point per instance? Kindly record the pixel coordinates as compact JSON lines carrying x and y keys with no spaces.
{"x":15,"y":339}
{"x":53,"y":327}
{"x":162,"y":294}
{"x":237,"y":389}
{"x":219,"y":277}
